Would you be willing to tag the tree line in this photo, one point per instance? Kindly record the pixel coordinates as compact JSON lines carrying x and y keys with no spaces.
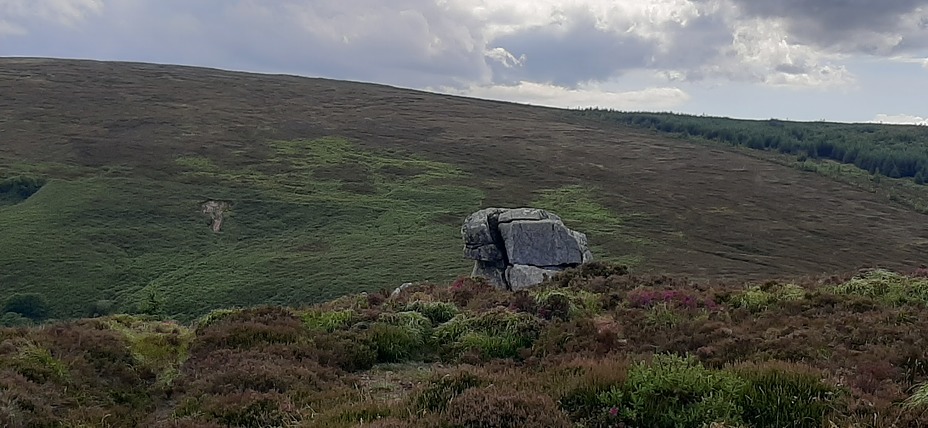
{"x":897,"y":151}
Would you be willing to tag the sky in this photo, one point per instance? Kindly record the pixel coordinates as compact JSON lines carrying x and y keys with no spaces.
{"x":835,"y":60}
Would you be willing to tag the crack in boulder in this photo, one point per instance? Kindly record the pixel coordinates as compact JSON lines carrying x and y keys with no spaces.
{"x":516,"y":248}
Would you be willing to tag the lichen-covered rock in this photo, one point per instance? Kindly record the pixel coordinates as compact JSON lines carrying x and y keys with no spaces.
{"x":517,"y":248}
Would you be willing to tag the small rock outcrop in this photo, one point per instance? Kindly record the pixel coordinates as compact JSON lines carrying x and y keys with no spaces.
{"x":214,"y":210}
{"x":516,"y":248}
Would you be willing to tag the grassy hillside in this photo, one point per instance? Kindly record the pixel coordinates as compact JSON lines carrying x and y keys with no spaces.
{"x":594,"y":347}
{"x":334,"y":187}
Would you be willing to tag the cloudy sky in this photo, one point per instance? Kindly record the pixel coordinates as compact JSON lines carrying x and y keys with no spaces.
{"x":842,"y":60}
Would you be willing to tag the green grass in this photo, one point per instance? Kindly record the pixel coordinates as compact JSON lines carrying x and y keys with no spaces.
{"x":300,"y":230}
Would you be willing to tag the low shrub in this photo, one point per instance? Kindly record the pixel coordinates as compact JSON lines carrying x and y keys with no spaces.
{"x":438,"y":392}
{"x":464,"y":289}
{"x":250,"y":410}
{"x":349,"y":351}
{"x":589,"y":380}
{"x":503,"y":408}
{"x":30,"y":305}
{"x":579,"y":277}
{"x":20,"y":187}
{"x":647,"y":297}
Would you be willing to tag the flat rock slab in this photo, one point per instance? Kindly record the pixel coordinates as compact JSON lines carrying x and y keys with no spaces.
{"x":521,"y":277}
{"x":541,"y":243}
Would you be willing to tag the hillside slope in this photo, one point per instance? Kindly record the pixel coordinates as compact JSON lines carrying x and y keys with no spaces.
{"x":332,"y":187}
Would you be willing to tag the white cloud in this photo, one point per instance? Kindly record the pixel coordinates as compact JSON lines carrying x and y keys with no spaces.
{"x":11,"y":29}
{"x":64,"y":12}
{"x":900,"y":119}
{"x":762,"y":50}
{"x":504,"y":57}
{"x":557,"y":96}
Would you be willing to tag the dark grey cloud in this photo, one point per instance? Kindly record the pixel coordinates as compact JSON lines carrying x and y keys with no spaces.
{"x":461,"y":43}
{"x":572,"y":51}
{"x":405,"y":42}
{"x":868,"y":26}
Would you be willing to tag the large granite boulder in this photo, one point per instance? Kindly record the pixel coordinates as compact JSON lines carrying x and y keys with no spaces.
{"x":520,"y":247}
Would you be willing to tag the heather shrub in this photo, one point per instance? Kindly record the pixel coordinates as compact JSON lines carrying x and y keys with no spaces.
{"x":436,"y":312}
{"x":588,"y":381}
{"x":438,"y":392}
{"x":784,"y":396}
{"x":672,"y":391}
{"x":350,"y":351}
{"x":250,"y":328}
{"x":522,"y":301}
{"x":25,"y":403}
{"x":358,"y":414}
{"x":646,"y":297}
{"x":566,"y":303}
{"x":580,"y":276}
{"x":464,"y":289}
{"x":250,"y":409}
{"x":213,"y":317}
{"x":503,"y":408}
